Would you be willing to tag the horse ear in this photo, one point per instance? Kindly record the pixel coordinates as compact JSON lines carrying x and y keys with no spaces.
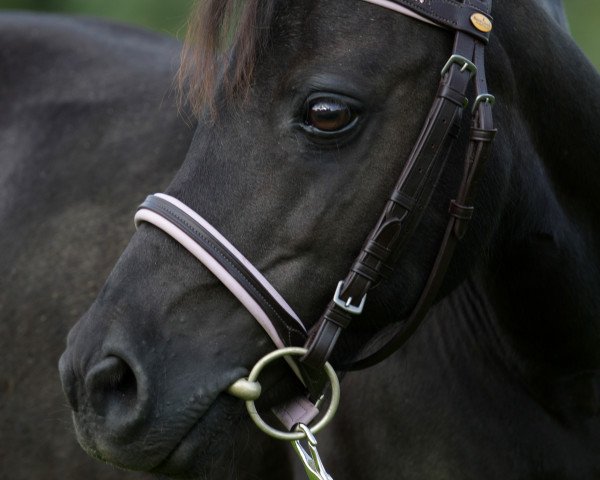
{"x":234,"y":30}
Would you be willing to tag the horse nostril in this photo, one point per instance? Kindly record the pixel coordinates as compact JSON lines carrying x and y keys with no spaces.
{"x":113,"y":389}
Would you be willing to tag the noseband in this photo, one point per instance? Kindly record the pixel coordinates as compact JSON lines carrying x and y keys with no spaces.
{"x":471,"y":22}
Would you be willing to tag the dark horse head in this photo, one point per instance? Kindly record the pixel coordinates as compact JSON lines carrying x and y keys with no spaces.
{"x":314,"y":114}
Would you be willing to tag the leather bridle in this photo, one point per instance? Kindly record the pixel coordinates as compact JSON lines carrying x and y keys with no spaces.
{"x":421,"y":172}
{"x":472,"y":23}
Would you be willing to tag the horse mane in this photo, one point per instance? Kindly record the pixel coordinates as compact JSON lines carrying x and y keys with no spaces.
{"x":223,"y":41}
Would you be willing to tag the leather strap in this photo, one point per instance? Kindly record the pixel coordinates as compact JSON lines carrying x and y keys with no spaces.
{"x":460,"y":210}
{"x":453,"y":14}
{"x":412,"y":194}
{"x":289,"y":329}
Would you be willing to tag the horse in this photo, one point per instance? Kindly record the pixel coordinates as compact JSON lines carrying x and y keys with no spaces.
{"x":312,"y":122}
{"x":90,"y":123}
{"x":361,"y":463}
{"x":499,"y":382}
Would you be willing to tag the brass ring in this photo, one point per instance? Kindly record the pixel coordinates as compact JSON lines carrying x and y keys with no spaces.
{"x":280,"y":434}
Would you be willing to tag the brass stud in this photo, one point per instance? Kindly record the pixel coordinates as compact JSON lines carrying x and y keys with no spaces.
{"x":481,"y":22}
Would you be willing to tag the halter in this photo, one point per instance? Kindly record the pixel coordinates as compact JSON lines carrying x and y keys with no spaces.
{"x":472,"y":23}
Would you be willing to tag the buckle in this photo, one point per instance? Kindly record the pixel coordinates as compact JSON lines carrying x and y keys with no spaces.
{"x":347,"y":305}
{"x":483,"y":98}
{"x":460,"y":60}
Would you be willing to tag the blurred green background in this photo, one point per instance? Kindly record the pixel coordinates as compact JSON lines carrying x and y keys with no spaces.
{"x":169,"y":15}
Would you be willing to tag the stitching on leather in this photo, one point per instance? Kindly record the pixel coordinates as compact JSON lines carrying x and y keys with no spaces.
{"x":215,"y":247}
{"x":285,"y":410}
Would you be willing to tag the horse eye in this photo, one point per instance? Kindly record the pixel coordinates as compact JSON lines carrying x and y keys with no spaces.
{"x":329,"y":115}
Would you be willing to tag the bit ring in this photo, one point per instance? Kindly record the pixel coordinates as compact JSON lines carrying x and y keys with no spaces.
{"x":280,"y":434}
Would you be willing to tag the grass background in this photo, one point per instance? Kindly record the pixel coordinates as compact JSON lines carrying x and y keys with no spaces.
{"x":169,"y":16}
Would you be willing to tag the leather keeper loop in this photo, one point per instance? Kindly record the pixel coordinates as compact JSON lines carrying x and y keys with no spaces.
{"x":403,"y":200}
{"x":337,"y":316}
{"x":479,"y":135}
{"x":367,"y":272}
{"x":380,"y":252}
{"x":461,"y":212}
{"x":452,"y":95}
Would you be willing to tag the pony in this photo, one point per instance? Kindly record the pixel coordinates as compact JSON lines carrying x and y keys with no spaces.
{"x":410,"y":422}
{"x":491,"y":370}
{"x":312,"y":118}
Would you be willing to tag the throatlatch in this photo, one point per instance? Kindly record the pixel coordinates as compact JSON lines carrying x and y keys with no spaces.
{"x":472,"y":23}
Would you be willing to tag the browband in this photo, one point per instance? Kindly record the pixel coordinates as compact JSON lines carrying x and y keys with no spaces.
{"x":471,"y":17}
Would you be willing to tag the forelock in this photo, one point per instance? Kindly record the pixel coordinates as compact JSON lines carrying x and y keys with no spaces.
{"x":223,"y":42}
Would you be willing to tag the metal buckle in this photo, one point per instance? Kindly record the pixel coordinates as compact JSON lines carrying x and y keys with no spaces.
{"x":347,"y":305}
{"x":483,"y":98}
{"x":460,"y":60}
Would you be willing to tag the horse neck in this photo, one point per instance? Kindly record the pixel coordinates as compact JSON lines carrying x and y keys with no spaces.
{"x":542,"y":278}
{"x":556,"y":93}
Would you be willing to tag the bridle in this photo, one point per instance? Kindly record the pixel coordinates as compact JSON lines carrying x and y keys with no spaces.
{"x":472,"y":23}
{"x":412,"y":192}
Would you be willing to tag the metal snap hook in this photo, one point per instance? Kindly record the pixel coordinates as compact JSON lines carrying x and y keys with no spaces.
{"x":315,"y":470}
